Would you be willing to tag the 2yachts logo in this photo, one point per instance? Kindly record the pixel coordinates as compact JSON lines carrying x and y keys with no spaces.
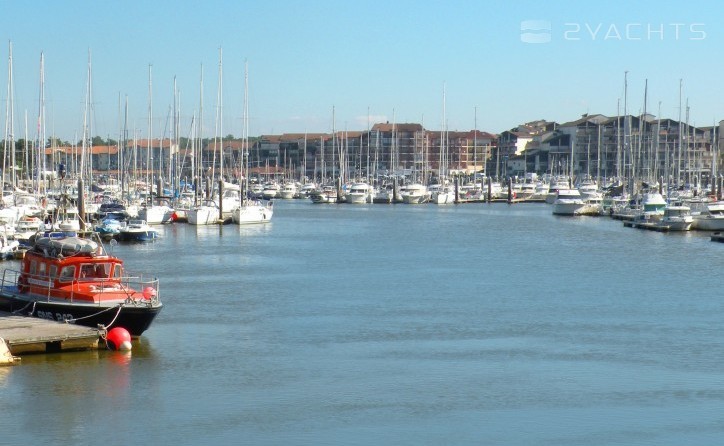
{"x":541,"y":31}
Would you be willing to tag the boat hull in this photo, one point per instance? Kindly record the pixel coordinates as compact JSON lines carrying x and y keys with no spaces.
{"x":134,"y":318}
{"x":252,"y":214}
{"x":136,"y":236}
{"x":708,"y":224}
{"x":567,"y":208}
{"x":203,"y":216}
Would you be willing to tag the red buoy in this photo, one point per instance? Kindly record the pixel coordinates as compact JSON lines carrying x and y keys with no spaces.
{"x":149,"y":292}
{"x":118,"y":338}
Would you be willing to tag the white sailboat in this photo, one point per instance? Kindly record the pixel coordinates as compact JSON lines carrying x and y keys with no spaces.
{"x":153,"y":212}
{"x":249,"y":211}
{"x":444,"y":192}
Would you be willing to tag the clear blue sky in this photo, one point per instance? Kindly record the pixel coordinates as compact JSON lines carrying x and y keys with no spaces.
{"x":376,"y":57}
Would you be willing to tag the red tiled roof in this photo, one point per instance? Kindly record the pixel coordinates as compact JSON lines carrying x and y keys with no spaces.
{"x":403,"y":127}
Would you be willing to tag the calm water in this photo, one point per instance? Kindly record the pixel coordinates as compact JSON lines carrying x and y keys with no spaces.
{"x":401,"y":325}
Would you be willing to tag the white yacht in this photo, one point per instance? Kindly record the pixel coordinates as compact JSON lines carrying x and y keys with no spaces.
{"x":708,"y":216}
{"x":359,"y":193}
{"x":442,"y":194}
{"x":289,"y":191}
{"x":307,"y":189}
{"x":271,"y":190}
{"x":555,"y":185}
{"x":327,"y":194}
{"x":677,"y":218}
{"x":569,"y":202}
{"x":384,"y":194}
{"x":415,"y":193}
{"x":588,"y":188}
{"x":652,"y":206}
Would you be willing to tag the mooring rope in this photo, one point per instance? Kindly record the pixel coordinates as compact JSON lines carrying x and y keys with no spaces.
{"x":26,"y":306}
{"x":96,"y":314}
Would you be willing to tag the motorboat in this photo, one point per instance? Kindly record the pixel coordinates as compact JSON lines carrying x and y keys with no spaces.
{"x":137,"y":231}
{"x":677,"y":218}
{"x":306,"y":189}
{"x":73,"y":279}
{"x":384,"y":194}
{"x":271,"y":190}
{"x":112,"y":209}
{"x":415,"y":193}
{"x":359,"y":193}
{"x":557,"y":184}
{"x":327,"y":194}
{"x":708,"y":216}
{"x":289,"y":191}
{"x":108,"y":228}
{"x":569,"y":202}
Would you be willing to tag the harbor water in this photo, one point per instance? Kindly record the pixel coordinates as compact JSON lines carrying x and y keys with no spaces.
{"x":488,"y":324}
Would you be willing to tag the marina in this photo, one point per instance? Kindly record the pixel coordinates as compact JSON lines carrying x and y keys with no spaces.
{"x":404,"y":325}
{"x":275,"y":223}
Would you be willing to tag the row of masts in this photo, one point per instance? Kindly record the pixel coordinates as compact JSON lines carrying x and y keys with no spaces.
{"x":637,"y":159}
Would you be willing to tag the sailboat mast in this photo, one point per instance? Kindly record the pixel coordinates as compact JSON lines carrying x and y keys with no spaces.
{"x":221,"y":120}
{"x":367,"y":168}
{"x":121,"y":150}
{"x":442,"y":164}
{"x":475,"y":142}
{"x":90,"y":122}
{"x":200,"y":148}
{"x":9,"y":121}
{"x":174,"y":138}
{"x":678,"y":155}
{"x":245,"y":137}
{"x":149,"y":186}
{"x":40,"y":165}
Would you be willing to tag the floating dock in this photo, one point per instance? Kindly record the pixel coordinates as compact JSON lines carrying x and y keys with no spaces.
{"x":24,"y":334}
{"x":646,"y":225}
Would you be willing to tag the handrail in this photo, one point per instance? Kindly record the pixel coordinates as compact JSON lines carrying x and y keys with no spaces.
{"x":128,"y":284}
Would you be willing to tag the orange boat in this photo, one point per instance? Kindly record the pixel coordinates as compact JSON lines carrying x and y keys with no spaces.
{"x":73,"y":279}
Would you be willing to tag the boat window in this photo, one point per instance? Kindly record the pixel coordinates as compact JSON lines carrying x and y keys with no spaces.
{"x":101,"y":270}
{"x":41,"y":269}
{"x":33,"y":267}
{"x":53,"y":271}
{"x":67,"y":273}
{"x":117,"y":271}
{"x":87,"y":270}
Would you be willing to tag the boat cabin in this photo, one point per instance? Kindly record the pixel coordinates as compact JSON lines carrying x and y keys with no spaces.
{"x":85,"y":275}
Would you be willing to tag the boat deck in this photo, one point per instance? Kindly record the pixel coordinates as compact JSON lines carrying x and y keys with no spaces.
{"x":24,"y":334}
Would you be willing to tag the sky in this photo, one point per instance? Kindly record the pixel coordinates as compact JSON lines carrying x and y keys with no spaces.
{"x":323,"y":65}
